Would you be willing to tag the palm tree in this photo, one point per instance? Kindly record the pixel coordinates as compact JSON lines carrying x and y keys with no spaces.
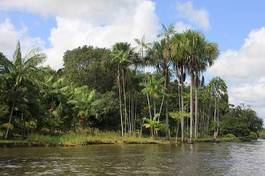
{"x":153,"y":90}
{"x":178,"y":115}
{"x":218,"y":90}
{"x":168,"y":32}
{"x":142,"y":46}
{"x":122,"y":53}
{"x":82,"y":98}
{"x":208,"y":54}
{"x":158,"y":55}
{"x":199,"y":55}
{"x":17,"y":72}
{"x":179,"y":60}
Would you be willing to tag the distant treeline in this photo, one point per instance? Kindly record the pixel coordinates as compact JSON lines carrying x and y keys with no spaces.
{"x":109,"y":90}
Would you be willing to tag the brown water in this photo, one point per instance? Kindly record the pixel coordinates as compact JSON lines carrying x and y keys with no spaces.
{"x":198,"y":159}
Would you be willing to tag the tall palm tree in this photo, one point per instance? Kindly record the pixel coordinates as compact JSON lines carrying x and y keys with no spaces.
{"x":142,"y":46}
{"x":153,"y":89}
{"x":178,"y":58}
{"x":199,"y":55}
{"x":208,"y":54}
{"x":168,"y":32}
{"x":156,"y":56}
{"x":218,"y":90}
{"x":122,"y":53}
{"x":17,"y":72}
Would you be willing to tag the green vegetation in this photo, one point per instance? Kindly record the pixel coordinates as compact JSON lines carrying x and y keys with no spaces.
{"x":107,"y":92}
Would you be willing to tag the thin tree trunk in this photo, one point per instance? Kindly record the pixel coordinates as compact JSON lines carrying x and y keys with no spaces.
{"x":166,"y":98}
{"x":215,"y":125}
{"x":149,"y":106}
{"x":177,"y":131}
{"x":129,"y":113}
{"x":196,"y":113}
{"x":124,"y":99}
{"x":154,"y":104}
{"x":10,"y":118}
{"x":191,"y":106}
{"x":132,"y":114}
{"x":135,"y":115}
{"x":161,"y":106}
{"x":182,"y":104}
{"x":120,"y":101}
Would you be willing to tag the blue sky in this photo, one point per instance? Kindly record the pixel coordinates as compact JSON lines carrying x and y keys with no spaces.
{"x":237,"y":26}
{"x":230,"y":21}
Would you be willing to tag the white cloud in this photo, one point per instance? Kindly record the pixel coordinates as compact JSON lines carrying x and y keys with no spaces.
{"x":197,"y":16}
{"x":9,"y":37}
{"x":245,"y":64}
{"x":92,"y":10}
{"x":244,"y":70}
{"x":99,"y":23}
{"x":181,"y":27}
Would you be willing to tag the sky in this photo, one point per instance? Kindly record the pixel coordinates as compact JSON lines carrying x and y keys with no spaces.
{"x":55,"y":26}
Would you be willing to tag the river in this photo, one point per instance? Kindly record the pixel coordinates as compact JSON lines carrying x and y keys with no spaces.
{"x":235,"y":159}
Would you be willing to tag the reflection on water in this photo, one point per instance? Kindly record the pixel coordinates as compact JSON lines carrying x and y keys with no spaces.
{"x":197,"y":159}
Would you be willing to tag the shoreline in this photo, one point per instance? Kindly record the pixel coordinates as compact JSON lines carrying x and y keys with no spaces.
{"x":118,"y":141}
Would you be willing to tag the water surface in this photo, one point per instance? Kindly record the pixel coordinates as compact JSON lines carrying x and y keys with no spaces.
{"x":242,"y":159}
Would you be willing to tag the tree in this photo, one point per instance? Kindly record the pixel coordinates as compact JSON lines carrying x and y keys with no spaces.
{"x":199,"y":55}
{"x":82,"y":100}
{"x":16,"y":73}
{"x":90,"y":66}
{"x":167,"y":33}
{"x":179,"y":60}
{"x":179,"y":115}
{"x":122,"y":54}
{"x":240,"y":121}
{"x":142,"y":47}
{"x":218,"y":90}
{"x":158,"y":56}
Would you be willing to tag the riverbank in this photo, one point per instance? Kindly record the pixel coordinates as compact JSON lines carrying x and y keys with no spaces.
{"x":79,"y":140}
{"x":73,"y":139}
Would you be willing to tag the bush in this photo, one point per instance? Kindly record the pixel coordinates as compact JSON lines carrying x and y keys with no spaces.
{"x":262,"y":134}
{"x":230,"y":136}
{"x":253,"y":136}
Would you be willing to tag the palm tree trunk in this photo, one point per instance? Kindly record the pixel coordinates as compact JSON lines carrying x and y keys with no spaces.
{"x":124,"y":99}
{"x":154,"y":104}
{"x":120,"y":100}
{"x":135,"y":115}
{"x":129,"y":113}
{"x":149,"y":106}
{"x":196,"y":113}
{"x":10,"y":118}
{"x":191,"y":106}
{"x":166,"y":100}
{"x":215,"y":111}
{"x":182,"y":103}
{"x":161,"y":106}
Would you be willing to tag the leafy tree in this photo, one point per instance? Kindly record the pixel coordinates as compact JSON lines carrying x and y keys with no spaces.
{"x":15,"y":74}
{"x":218,"y":90}
{"x":240,"y":121}
{"x":91,"y":67}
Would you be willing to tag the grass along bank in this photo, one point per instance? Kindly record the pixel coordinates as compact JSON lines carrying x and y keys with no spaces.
{"x":76,"y":139}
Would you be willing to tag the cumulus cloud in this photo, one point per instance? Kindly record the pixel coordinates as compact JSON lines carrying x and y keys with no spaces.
{"x":196,"y":16}
{"x":9,"y":37}
{"x":248,"y":62}
{"x":90,"y":9}
{"x":89,"y":22}
{"x":244,"y":70}
{"x":181,"y":27}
